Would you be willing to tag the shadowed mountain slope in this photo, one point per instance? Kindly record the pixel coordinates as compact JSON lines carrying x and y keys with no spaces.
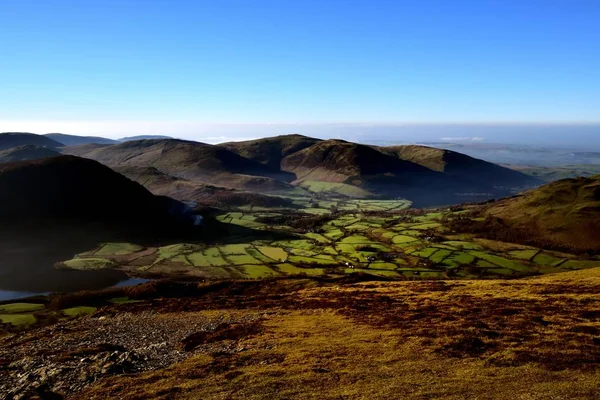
{"x":73,"y":189}
{"x":74,"y":140}
{"x":566,"y":211}
{"x":26,"y":153}
{"x":270,"y":151}
{"x":9,"y":140}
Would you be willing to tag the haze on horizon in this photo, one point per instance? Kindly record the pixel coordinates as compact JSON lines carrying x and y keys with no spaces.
{"x":493,"y":71}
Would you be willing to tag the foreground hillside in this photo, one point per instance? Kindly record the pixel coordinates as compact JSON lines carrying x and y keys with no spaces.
{"x":564,"y":215}
{"x":535,"y":339}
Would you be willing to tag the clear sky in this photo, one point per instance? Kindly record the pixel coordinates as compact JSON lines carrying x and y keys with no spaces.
{"x":175,"y":67}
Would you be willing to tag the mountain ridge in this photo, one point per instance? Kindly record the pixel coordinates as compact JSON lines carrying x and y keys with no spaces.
{"x":9,"y":140}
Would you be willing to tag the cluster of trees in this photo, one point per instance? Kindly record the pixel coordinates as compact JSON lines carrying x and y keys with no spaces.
{"x":299,"y":221}
{"x":226,"y":199}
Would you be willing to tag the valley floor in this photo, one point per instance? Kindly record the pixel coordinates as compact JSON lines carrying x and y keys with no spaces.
{"x":536,"y":338}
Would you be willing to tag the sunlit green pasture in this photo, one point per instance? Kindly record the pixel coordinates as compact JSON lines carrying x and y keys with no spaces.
{"x":369,"y":237}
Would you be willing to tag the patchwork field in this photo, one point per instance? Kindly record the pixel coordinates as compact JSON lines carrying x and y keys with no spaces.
{"x":336,"y":237}
{"x":24,"y":315}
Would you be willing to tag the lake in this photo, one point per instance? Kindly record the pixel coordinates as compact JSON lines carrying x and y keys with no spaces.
{"x":70,"y":281}
{"x":27,"y":259}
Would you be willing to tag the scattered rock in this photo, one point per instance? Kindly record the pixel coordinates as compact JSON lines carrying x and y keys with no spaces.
{"x":56,"y":361}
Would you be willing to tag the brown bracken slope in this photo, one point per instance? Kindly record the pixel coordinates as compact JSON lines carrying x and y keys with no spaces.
{"x":298,"y":339}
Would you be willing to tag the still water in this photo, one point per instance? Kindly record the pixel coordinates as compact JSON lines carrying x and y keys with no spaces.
{"x":68,"y":281}
{"x":28,"y":259}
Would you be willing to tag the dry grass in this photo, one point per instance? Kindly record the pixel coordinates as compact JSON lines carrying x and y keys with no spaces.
{"x":524,"y":339}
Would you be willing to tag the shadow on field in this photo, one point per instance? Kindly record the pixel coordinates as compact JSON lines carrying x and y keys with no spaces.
{"x":28,"y":253}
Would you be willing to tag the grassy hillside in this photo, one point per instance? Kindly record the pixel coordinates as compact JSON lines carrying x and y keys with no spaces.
{"x":9,"y":140}
{"x":462,"y":166}
{"x":345,"y":162}
{"x":270,"y":151}
{"x":566,"y":211}
{"x":25,"y":153}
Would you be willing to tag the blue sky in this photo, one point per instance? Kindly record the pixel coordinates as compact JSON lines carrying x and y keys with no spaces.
{"x":175,"y":67}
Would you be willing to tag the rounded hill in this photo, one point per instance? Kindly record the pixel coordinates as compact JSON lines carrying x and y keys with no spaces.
{"x":74,"y":189}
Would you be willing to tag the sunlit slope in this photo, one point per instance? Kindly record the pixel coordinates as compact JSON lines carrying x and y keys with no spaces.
{"x":566,"y":211}
{"x":270,"y":151}
{"x":462,"y":166}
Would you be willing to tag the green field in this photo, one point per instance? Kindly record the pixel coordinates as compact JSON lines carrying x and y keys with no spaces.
{"x":78,"y":311}
{"x":20,"y":308}
{"x":117,"y":249}
{"x":18,"y":319}
{"x":89,"y":263}
{"x":371,"y":235}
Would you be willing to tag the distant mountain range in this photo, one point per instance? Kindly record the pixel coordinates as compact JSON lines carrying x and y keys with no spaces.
{"x":10,"y":140}
{"x":72,"y":140}
{"x":301,"y":165}
{"x":54,"y":140}
{"x":288,"y":164}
